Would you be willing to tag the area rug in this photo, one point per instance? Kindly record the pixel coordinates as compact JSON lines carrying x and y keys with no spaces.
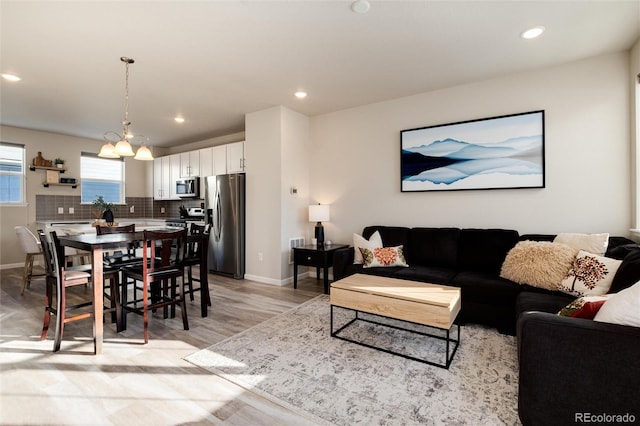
{"x":292,"y":360}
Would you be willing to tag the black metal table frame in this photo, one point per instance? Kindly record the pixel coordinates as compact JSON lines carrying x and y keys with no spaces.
{"x":447,"y":338}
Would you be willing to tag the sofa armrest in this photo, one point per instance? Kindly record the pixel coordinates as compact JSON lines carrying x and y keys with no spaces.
{"x":342,"y":258}
{"x":572,"y":367}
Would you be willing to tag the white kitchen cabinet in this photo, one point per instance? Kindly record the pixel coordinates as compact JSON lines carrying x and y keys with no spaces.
{"x":190,"y":164}
{"x":161,"y":178}
{"x":220,"y":160}
{"x":206,"y":162}
{"x":235,"y":157}
{"x":165,"y":172}
{"x":174,"y":174}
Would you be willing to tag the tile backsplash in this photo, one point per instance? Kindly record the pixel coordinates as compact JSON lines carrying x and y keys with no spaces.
{"x":143,"y":207}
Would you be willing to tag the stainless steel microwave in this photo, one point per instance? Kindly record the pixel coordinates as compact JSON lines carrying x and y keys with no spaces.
{"x":188,"y":187}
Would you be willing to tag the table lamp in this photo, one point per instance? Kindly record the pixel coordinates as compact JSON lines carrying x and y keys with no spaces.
{"x":319,"y":213}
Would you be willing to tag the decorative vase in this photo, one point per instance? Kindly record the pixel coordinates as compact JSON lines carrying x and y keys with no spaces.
{"x":39,"y":160}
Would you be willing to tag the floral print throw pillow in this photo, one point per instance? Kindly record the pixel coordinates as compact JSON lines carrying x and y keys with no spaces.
{"x":383,"y":257}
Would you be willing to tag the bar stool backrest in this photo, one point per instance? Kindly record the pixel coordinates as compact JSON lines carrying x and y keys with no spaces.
{"x":28,"y":241}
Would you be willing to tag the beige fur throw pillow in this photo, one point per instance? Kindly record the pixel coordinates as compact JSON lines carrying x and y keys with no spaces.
{"x":538,"y":263}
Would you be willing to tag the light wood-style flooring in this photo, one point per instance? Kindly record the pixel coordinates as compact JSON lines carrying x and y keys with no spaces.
{"x":132,"y":383}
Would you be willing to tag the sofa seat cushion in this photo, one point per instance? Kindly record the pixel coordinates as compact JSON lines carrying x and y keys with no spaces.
{"x":486,"y":288}
{"x":484,"y":250}
{"x":426,"y":274}
{"x":543,"y":302}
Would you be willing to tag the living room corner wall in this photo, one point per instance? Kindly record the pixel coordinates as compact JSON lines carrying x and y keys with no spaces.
{"x":587,"y":155}
{"x":276,"y":148}
{"x":295,"y":175}
{"x":634,"y":90}
{"x":263,"y":133}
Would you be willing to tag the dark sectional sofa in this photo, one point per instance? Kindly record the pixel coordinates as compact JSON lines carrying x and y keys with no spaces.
{"x":571,"y":370}
{"x":470,"y":259}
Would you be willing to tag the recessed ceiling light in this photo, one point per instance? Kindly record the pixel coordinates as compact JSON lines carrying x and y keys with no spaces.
{"x":301,"y":94}
{"x":11,"y":77}
{"x":360,"y":6}
{"x":532,"y":32}
{"x":179,"y":119}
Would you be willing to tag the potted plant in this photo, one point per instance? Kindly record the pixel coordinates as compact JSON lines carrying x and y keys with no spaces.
{"x":59,"y":162}
{"x":102,"y":210}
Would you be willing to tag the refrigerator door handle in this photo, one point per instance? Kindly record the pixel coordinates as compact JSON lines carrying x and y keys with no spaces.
{"x":218,"y":221}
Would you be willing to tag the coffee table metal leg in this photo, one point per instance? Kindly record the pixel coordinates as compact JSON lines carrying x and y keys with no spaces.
{"x":447,"y":338}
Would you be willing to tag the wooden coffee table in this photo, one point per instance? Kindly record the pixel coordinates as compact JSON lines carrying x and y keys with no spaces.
{"x":430,"y":305}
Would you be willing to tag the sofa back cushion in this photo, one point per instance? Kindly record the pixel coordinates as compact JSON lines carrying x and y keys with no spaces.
{"x":392,"y":236}
{"x":628,"y":273}
{"x":537,"y":237}
{"x":484,"y":250}
{"x":433,"y":247}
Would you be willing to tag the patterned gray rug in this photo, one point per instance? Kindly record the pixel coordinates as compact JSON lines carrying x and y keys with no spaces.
{"x":292,"y":360}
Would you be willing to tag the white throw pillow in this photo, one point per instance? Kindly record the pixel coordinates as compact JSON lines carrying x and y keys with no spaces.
{"x":593,"y":243}
{"x":622,"y":308}
{"x":374,"y":242}
{"x":590,"y":275}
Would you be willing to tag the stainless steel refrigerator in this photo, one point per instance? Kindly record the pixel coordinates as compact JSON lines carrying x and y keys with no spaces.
{"x":224,"y":203}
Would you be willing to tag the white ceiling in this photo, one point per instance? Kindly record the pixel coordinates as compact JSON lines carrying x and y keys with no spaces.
{"x":214,"y":61}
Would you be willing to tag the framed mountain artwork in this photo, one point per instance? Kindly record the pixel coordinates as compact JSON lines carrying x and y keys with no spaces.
{"x":491,"y":153}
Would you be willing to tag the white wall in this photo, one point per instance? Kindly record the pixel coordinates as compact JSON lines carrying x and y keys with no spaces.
{"x":295,"y":173}
{"x":52,"y":145}
{"x":634,"y":90}
{"x":220,"y":140}
{"x":355,"y":155}
{"x":262,"y":151}
{"x":277,"y":149}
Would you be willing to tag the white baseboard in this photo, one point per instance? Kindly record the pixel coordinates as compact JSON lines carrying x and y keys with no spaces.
{"x":11,"y":266}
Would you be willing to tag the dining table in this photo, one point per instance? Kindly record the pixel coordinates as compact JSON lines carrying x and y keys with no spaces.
{"x":97,"y":245}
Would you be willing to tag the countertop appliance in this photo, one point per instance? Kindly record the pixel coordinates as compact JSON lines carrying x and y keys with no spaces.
{"x":188,"y":187}
{"x":225,"y":211}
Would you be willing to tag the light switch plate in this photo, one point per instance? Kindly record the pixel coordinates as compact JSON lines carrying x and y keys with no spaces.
{"x":72,"y":210}
{"x":60,"y":210}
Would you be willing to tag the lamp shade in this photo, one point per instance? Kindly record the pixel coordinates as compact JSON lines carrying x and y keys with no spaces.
{"x":319,"y":213}
{"x":108,"y":151}
{"x":143,"y":154}
{"x":123,"y":148}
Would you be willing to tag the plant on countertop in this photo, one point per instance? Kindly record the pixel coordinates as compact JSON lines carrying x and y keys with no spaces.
{"x":99,"y":206}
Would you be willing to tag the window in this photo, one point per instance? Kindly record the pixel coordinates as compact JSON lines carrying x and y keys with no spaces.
{"x":101,"y":176}
{"x":11,"y":173}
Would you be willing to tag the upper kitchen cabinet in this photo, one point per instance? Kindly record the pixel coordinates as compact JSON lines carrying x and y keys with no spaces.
{"x":220,"y":160}
{"x":174,"y":174}
{"x":235,"y":157}
{"x":165,"y":172}
{"x":206,"y":162}
{"x":190,"y":164}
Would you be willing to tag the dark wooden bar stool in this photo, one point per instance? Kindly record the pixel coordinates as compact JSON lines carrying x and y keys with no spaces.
{"x":197,"y":255}
{"x":118,"y":259}
{"x":61,"y":277}
{"x":163,"y":256}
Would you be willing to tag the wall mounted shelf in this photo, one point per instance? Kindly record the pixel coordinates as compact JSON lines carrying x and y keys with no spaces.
{"x":53,"y":176}
{"x":34,"y":168}
{"x":46,"y":184}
